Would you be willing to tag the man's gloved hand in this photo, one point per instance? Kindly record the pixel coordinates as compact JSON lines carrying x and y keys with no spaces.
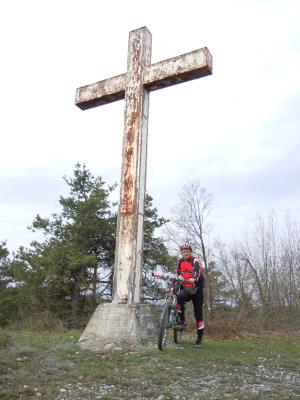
{"x":181,"y":280}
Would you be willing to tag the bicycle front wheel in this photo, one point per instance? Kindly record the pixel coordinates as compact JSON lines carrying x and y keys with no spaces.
{"x":164,"y":326}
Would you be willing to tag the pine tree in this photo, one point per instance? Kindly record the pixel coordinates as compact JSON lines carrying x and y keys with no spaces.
{"x":70,"y":272}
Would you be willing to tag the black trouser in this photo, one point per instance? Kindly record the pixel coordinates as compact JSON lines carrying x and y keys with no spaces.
{"x":197,"y":299}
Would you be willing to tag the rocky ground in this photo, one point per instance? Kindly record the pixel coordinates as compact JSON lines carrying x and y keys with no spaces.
{"x":265,"y":381}
{"x":53,"y":367}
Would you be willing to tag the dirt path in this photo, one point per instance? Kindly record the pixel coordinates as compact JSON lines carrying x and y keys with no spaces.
{"x":241,"y":383}
{"x":52,"y":367}
{"x":171,"y":376}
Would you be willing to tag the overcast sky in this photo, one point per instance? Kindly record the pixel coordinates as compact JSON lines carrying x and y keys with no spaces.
{"x":237,"y":130}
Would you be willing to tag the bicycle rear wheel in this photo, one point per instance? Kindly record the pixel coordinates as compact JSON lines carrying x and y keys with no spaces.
{"x":177,"y":335}
{"x":164,"y":326}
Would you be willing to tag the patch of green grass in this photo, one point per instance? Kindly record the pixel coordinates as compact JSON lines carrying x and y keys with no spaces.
{"x":45,"y":363}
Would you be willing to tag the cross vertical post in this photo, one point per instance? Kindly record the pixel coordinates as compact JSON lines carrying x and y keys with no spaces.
{"x":129,"y":246}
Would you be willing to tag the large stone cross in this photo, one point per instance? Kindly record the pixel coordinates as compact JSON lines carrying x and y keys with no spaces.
{"x":141,"y":78}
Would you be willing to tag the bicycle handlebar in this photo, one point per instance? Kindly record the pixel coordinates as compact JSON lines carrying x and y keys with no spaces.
{"x":167,"y":278}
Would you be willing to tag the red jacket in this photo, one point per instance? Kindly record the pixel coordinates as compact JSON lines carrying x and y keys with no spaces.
{"x":190,"y":268}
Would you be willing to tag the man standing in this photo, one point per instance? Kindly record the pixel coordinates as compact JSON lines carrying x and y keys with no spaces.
{"x":189,"y":270}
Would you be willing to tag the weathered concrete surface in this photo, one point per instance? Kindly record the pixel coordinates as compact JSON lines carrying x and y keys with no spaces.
{"x":115,"y":326}
{"x":193,"y":65}
{"x":102,"y":92}
{"x":140,"y":79}
{"x":130,"y":233}
{"x":122,"y":322}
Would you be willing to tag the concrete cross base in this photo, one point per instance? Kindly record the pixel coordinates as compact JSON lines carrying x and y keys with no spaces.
{"x":115,"y":326}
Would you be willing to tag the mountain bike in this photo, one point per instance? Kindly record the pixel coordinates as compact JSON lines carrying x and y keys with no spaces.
{"x":169,"y":316}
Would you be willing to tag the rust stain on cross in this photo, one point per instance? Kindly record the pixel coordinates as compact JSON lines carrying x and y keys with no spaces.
{"x":127,"y":199}
{"x":141,"y":78}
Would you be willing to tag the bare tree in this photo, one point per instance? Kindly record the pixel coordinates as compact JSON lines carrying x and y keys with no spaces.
{"x":290,"y":263}
{"x":236,"y":274}
{"x":262,"y":271}
{"x":190,"y":223}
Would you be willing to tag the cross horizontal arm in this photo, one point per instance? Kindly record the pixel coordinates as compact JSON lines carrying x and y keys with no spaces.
{"x":102,"y":92}
{"x":185,"y":67}
{"x":179,"y":69}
